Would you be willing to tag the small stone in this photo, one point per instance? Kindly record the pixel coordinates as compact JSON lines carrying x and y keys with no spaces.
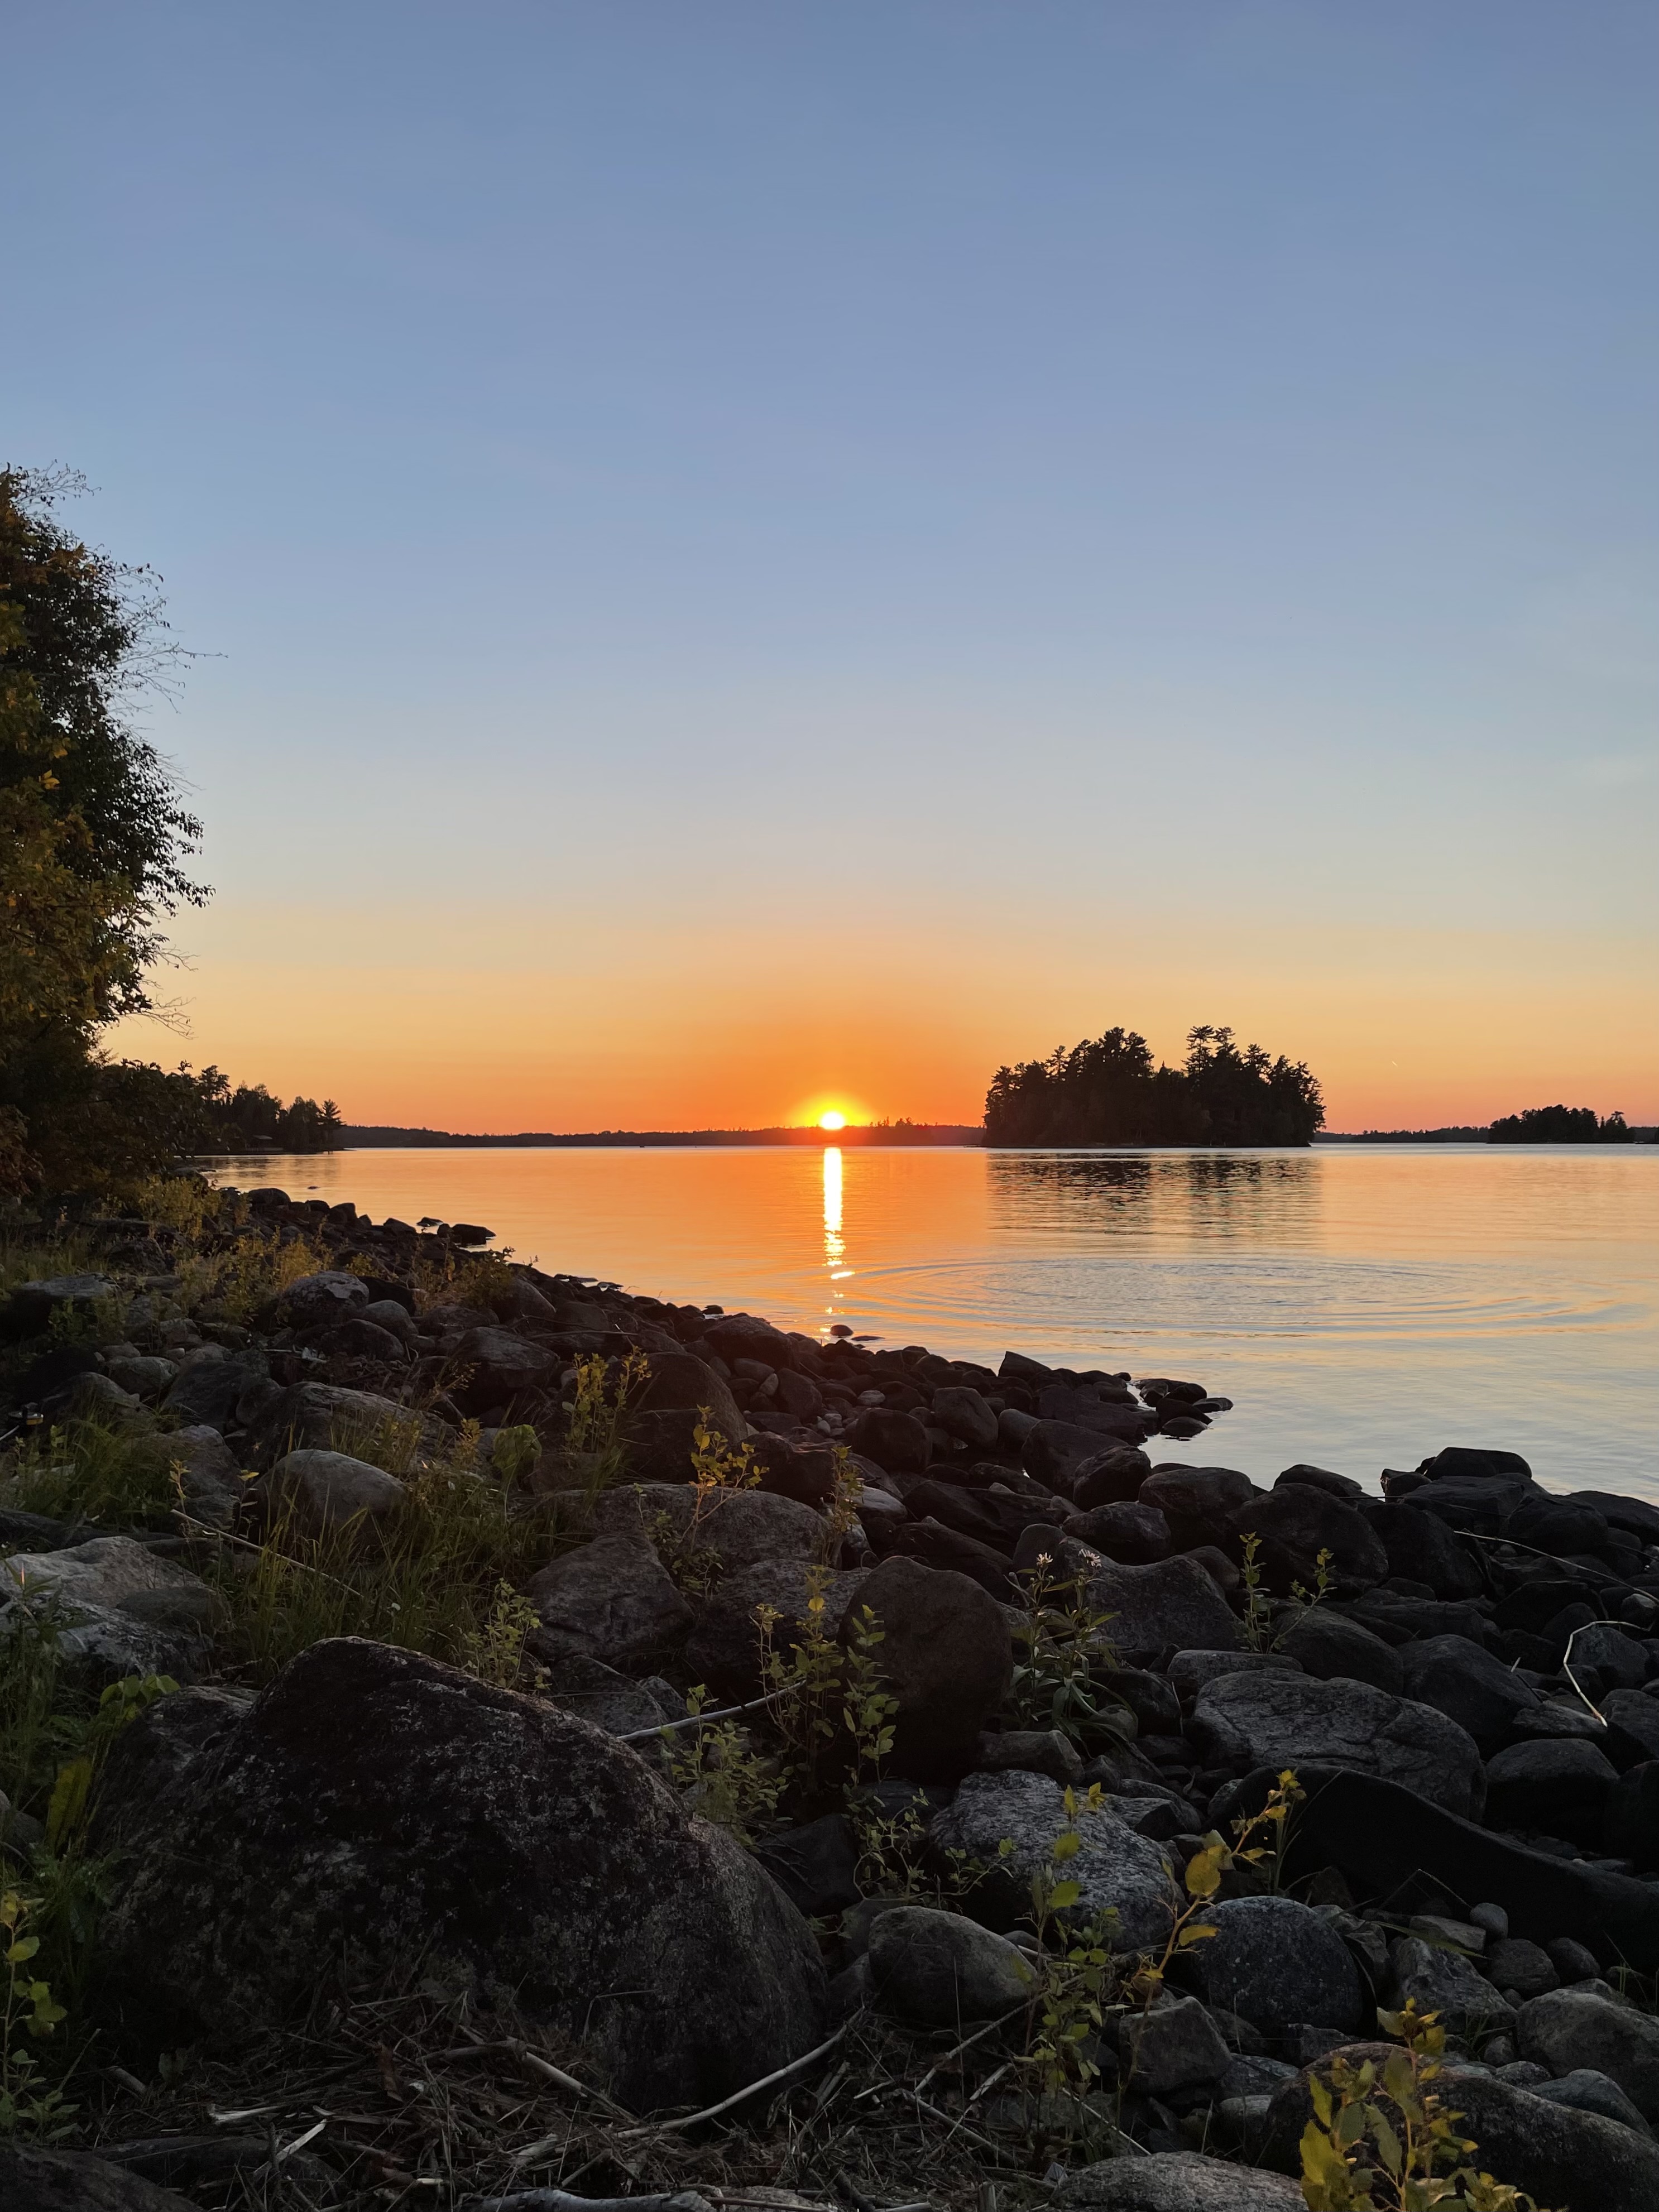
{"x":1573,"y":2028}
{"x":1585,"y":2090}
{"x":1493,"y":1918}
{"x":1031,"y":1751}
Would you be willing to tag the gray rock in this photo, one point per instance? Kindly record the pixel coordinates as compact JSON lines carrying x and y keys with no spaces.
{"x":93,"y":1397}
{"x":1030,"y":1751}
{"x":1515,"y":1964}
{"x":319,"y":1493}
{"x":1421,"y":1548}
{"x":123,"y":1610}
{"x":1466,"y":1682}
{"x":1585,"y":2090}
{"x":612,"y":1600}
{"x":965,"y":1415}
{"x":375,"y":1800}
{"x":143,"y":1376}
{"x":610,"y":1701}
{"x":738,"y":1528}
{"x":1296,"y":1524}
{"x":1621,"y":1660}
{"x":1277,"y":1720}
{"x":209,"y":1475}
{"x":396,"y":1319}
{"x":681,"y":1382}
{"x":1439,"y":1980}
{"x":1189,"y":1671}
{"x":1176,"y":2045}
{"x":323,"y":1417}
{"x":1558,"y":1785}
{"x":726,"y":1650}
{"x":1199,"y":1502}
{"x":1573,"y":2028}
{"x":938,"y":1968}
{"x":37,"y":2179}
{"x":317,"y":1301}
{"x":1170,"y":1601}
{"x":1275,"y":1962}
{"x":209,"y":1386}
{"x":946,"y":1654}
{"x":1179,"y":2181}
{"x":1134,"y":1534}
{"x":897,"y":1443}
{"x":1633,"y":1719}
{"x":1331,"y":1648}
{"x":1118,"y":1869}
{"x":1055,"y":1453}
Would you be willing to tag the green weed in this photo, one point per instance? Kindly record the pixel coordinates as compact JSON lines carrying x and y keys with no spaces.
{"x":1060,"y":1646}
{"x":87,"y":1470}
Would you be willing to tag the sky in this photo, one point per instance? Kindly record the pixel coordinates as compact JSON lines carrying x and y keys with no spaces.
{"x":749,"y":558}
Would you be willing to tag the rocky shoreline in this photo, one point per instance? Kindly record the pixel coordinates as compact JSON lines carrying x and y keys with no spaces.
{"x":978,"y":1649}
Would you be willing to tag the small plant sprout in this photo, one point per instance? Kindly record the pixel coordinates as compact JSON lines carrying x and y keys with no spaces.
{"x":1256,"y":1838}
{"x":720,"y":1774}
{"x":1059,"y":1644}
{"x":494,"y":1652}
{"x":29,"y":2105}
{"x":1259,"y":1634}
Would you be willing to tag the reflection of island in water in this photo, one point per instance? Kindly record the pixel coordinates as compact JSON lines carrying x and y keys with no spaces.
{"x":1199,"y":1195}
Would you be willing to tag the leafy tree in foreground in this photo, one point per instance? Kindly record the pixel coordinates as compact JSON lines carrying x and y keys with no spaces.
{"x":1108,"y":1091}
{"x":94,"y":842}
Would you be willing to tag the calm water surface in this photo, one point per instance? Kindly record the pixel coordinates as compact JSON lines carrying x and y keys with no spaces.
{"x":1361,"y":1307}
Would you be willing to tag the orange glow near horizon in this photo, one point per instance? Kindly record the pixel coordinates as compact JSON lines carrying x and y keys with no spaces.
{"x":719,"y":1029}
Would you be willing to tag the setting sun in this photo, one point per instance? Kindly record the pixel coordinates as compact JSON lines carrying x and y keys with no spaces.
{"x":832,"y":1120}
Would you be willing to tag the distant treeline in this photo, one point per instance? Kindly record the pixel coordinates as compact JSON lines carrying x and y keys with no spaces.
{"x":1538,"y":1125}
{"x":1109,"y":1092}
{"x":1559,"y":1125}
{"x":361,"y":1135}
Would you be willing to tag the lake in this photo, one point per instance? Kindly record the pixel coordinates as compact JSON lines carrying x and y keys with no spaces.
{"x":1363,"y":1306}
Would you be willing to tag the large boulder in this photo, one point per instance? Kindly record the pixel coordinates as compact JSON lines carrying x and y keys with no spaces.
{"x":1446,"y":1983}
{"x":1150,"y":1607}
{"x":1274,"y":1719}
{"x":316,"y":1300}
{"x":1055,"y":1453}
{"x":1295,"y":1524}
{"x":1277,"y":1963}
{"x":679,"y":1383}
{"x":964,"y":1414}
{"x":1568,"y":2029}
{"x":946,"y":1654}
{"x":318,"y":1493}
{"x":1467,"y":1683}
{"x":612,"y":1600}
{"x":28,"y":1308}
{"x":1010,"y":1824}
{"x":1135,"y":1535}
{"x":1421,"y":1548}
{"x":377,"y":1807}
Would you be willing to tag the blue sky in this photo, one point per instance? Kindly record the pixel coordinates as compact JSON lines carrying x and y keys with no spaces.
{"x":748,"y":551}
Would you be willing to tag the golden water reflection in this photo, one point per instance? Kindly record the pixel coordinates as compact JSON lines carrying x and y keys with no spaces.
{"x":834,"y":1244}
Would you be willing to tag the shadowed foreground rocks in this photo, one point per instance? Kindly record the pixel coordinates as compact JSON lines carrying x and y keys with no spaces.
{"x":376,"y":1808}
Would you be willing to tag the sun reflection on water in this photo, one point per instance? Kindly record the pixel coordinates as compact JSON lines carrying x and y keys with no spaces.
{"x":834,"y":1244}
